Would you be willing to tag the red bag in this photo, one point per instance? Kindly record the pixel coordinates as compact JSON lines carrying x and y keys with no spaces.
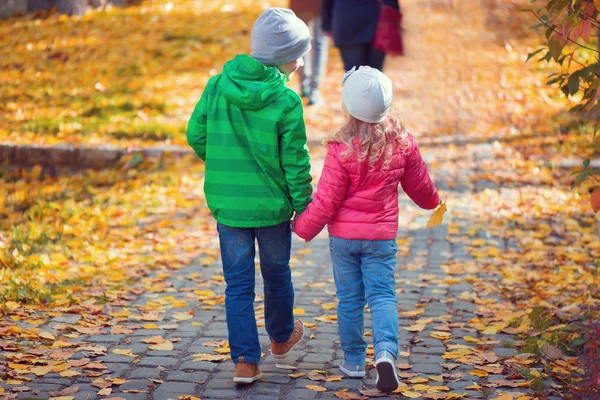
{"x":388,"y":35}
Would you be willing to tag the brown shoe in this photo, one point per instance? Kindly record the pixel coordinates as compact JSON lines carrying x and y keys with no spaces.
{"x":246,"y":372}
{"x":282,"y":350}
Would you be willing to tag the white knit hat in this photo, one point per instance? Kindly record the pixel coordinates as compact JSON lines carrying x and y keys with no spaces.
{"x":279,"y":37}
{"x":367,"y":94}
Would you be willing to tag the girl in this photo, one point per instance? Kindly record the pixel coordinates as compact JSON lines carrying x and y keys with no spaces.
{"x":357,"y":197}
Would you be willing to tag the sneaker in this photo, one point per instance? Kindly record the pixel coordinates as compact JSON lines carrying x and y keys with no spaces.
{"x":246,"y":372}
{"x":353,"y":371}
{"x":387,"y":378}
{"x":282,"y":350}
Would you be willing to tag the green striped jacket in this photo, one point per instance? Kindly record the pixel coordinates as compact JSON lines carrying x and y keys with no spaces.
{"x":248,"y":127}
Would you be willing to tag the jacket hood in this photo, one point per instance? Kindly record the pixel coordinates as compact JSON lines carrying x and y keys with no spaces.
{"x":249,"y":84}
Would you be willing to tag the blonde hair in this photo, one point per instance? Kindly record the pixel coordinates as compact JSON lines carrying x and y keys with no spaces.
{"x":375,"y":141}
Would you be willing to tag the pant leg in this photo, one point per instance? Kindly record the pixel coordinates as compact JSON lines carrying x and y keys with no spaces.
{"x":306,"y":72}
{"x":275,"y":245}
{"x":237,"y":255}
{"x":375,"y":58}
{"x":354,"y":55}
{"x":378,"y":266}
{"x":351,"y":295}
{"x":320,"y":54}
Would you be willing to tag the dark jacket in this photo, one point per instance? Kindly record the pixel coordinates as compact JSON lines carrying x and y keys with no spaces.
{"x":352,"y":21}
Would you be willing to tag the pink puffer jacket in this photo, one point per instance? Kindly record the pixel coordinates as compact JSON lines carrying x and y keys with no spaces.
{"x":360,"y":204}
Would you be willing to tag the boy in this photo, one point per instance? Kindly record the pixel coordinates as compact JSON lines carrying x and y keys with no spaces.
{"x":249,"y":129}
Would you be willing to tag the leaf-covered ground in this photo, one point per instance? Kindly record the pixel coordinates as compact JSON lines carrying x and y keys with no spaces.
{"x":84,"y":247}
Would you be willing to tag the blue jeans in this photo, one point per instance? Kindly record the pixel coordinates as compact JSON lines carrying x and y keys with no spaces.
{"x":355,"y":55}
{"x":315,"y":62}
{"x":363,"y":271}
{"x":237,"y":254}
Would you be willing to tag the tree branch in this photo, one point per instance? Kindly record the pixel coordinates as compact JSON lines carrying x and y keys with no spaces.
{"x":563,"y":36}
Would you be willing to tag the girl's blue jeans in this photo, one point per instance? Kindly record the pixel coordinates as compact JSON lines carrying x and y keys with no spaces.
{"x":237,"y":253}
{"x":364,"y":274}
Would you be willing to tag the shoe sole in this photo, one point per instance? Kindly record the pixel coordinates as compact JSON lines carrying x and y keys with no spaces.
{"x":387,"y":380}
{"x":237,"y":379}
{"x":282,"y":356}
{"x":352,"y":374}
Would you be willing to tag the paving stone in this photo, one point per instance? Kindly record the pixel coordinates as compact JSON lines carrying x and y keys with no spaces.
{"x":85,"y":395}
{"x":317,"y":358}
{"x":262,"y":397}
{"x":221,"y":394}
{"x":431,"y":350}
{"x":106,"y":338}
{"x":301,"y":394}
{"x":265,"y":388}
{"x":344,"y":383}
{"x":225,"y":383}
{"x":427,"y":368}
{"x":178,"y":387}
{"x":145,"y":373}
{"x":425,"y":359}
{"x":281,"y":378}
{"x":198,"y":366}
{"x":192,"y":377}
{"x":158,"y":361}
{"x":504,"y":352}
{"x":141,"y":384}
{"x":44,"y":387}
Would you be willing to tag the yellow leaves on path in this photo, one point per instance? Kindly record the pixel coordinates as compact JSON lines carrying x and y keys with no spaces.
{"x":413,"y":313}
{"x":210,"y":357}
{"x":166,"y":345}
{"x":41,"y":371}
{"x":344,"y":394}
{"x":127,"y":353}
{"x":441,"y":335}
{"x":153,"y":340}
{"x":479,"y":373}
{"x":316,"y":388}
{"x":183,"y":316}
{"x":438,"y":216}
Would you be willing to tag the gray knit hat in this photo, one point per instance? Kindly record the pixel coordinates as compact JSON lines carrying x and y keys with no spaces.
{"x":279,"y":37}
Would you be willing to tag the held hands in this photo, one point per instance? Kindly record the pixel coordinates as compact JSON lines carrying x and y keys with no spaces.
{"x":293,"y":223}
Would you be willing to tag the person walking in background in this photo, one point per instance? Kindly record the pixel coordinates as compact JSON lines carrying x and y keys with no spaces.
{"x":315,"y":62}
{"x":357,"y":198}
{"x":352,"y":23}
{"x":248,"y":127}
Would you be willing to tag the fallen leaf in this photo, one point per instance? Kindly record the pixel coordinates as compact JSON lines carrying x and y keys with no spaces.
{"x":552,"y":352}
{"x":166,"y":345}
{"x":153,"y":340}
{"x":41,"y":371}
{"x":438,"y":216}
{"x":344,"y":394}
{"x":65,"y":392}
{"x":316,"y":388}
{"x":105,"y":391}
{"x":127,"y":352}
{"x":183,"y":316}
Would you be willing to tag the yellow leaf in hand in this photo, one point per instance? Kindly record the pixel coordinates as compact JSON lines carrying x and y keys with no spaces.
{"x":437,"y":217}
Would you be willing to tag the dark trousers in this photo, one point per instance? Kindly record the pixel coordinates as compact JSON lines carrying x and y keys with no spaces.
{"x":356,"y":55}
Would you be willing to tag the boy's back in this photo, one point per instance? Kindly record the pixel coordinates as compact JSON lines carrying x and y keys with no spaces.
{"x":249,"y":129}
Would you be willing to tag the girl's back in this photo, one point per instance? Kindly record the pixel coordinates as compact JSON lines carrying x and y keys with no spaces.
{"x":367,"y":158}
